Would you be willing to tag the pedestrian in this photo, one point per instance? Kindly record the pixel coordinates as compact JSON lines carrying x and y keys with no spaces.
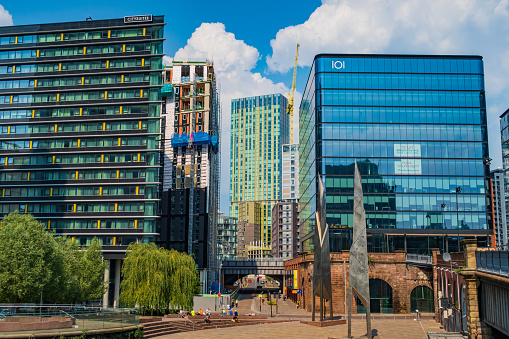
{"x":181,"y":313}
{"x":193,"y":313}
{"x":236,"y":303}
{"x":200,"y":311}
{"x":209,"y":312}
{"x":207,"y":318}
{"x":228,"y":307}
{"x":223,"y":312}
{"x":298,"y":304}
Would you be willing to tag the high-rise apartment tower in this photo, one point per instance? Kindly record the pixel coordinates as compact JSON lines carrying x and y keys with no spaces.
{"x":80,"y":142}
{"x":259,"y":128}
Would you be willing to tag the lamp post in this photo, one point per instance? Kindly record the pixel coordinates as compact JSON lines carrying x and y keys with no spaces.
{"x":442,"y":205}
{"x":428,"y":217}
{"x":458,"y":190}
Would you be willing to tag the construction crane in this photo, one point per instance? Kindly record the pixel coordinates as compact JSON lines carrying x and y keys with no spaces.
{"x":289,"y":108}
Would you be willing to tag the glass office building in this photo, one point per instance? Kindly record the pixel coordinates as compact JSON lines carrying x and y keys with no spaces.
{"x":417,"y":127}
{"x":80,"y":110}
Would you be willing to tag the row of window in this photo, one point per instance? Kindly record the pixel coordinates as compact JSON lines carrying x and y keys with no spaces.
{"x":398,"y":65}
{"x":55,"y":207}
{"x":82,"y":65}
{"x":343,"y":166}
{"x":148,"y":175}
{"x":400,"y":81}
{"x":409,"y":202}
{"x":87,"y":35}
{"x":413,"y":115}
{"x":75,"y":81}
{"x":81,"y":143}
{"x":152,"y":125}
{"x":399,"y":98}
{"x":402,"y":132}
{"x":390,"y":149}
{"x":412,"y":220}
{"x":149,"y":159}
{"x":68,"y":51}
{"x":146,"y":225}
{"x":73,"y":191}
{"x":406,"y":184}
{"x":80,"y":96}
{"x":152,"y":110}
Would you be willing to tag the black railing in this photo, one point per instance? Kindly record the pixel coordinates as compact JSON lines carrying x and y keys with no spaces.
{"x":494,"y":262}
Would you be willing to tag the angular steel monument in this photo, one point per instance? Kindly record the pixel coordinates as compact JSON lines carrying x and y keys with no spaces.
{"x":322,"y":286}
{"x":359,"y":274}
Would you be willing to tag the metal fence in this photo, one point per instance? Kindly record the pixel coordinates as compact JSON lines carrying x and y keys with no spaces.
{"x":495,"y":262}
{"x":84,"y":318}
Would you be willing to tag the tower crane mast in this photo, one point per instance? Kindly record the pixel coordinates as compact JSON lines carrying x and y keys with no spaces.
{"x":289,"y":108}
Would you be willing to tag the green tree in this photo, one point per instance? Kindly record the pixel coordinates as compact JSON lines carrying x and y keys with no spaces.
{"x":35,"y":262}
{"x":155,"y":278}
{"x":27,"y":257}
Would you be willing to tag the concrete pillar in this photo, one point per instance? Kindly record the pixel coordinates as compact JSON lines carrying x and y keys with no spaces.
{"x":118,"y":265}
{"x":107,"y":283}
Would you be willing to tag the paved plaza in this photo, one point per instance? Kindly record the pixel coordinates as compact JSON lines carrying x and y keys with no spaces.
{"x":390,"y":329}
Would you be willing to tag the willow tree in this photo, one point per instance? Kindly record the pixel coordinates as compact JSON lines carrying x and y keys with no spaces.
{"x":155,"y":278}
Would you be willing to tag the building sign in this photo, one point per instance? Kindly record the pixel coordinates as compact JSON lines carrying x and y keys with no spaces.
{"x":407,"y":150}
{"x":338,"y":64}
{"x":295,"y":281}
{"x":137,"y":18}
{"x":408,"y":167}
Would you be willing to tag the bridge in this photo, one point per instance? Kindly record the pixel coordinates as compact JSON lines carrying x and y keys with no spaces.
{"x":231,"y":270}
{"x":492,"y":275}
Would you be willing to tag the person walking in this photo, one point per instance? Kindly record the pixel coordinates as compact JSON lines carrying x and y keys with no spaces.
{"x":298,"y":304}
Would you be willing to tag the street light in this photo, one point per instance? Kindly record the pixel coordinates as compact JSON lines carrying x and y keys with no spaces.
{"x":458,"y":190}
{"x":443,"y":226}
{"x":428,"y":217}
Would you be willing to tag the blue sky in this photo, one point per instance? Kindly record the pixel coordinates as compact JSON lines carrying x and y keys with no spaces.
{"x":253,"y":43}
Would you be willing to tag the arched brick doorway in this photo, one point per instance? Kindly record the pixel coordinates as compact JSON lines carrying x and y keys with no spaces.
{"x":421,"y":299}
{"x":380,"y":297}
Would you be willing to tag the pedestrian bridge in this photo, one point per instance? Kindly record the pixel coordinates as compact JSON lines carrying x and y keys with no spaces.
{"x":236,"y":269}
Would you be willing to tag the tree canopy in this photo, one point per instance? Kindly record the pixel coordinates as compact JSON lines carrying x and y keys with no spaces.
{"x":34,"y":262}
{"x":155,"y":278}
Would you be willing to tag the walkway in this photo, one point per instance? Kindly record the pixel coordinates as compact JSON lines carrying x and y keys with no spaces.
{"x":386,"y":329}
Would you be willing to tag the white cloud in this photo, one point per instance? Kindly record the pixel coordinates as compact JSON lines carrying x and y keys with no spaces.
{"x":233,"y":62}
{"x":477,"y":27}
{"x":5,"y":17}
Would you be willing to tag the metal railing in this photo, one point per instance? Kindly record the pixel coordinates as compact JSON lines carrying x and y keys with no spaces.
{"x":494,"y":262}
{"x":259,"y":259}
{"x":84,"y":317}
{"x":419,"y":258}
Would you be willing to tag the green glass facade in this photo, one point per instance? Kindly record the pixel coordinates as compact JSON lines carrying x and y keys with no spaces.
{"x":80,"y":110}
{"x":417,"y":127}
{"x":259,"y":128}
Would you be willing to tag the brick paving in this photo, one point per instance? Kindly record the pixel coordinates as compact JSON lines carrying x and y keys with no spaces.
{"x":390,"y":329}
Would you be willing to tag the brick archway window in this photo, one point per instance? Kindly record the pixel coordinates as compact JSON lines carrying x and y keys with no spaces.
{"x":380,"y":297}
{"x":421,"y":299}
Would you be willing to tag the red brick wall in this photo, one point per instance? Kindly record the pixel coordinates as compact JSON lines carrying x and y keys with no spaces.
{"x":390,"y":267}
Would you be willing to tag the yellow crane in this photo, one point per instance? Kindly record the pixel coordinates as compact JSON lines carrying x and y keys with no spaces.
{"x":289,"y":108}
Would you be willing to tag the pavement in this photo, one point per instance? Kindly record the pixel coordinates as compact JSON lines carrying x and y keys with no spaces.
{"x":390,"y":329}
{"x":387,"y":326}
